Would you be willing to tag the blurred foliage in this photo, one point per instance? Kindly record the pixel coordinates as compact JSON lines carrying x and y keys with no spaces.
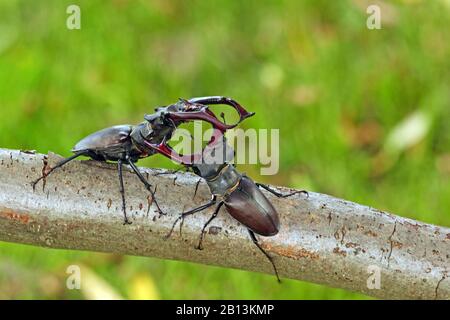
{"x":338,"y":92}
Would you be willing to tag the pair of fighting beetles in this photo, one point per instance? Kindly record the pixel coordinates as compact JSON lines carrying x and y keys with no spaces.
{"x":126,"y":144}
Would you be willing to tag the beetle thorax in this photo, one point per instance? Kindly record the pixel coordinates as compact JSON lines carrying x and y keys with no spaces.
{"x":226,"y":180}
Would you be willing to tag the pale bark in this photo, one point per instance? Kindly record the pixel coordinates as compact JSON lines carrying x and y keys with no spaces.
{"x":322,"y":239}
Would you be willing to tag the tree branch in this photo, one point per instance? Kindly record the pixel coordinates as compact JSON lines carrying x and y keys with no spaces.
{"x":322,"y":239}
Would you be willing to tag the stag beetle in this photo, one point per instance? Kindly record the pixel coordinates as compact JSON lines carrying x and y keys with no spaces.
{"x":241,"y":196}
{"x":127,"y":143}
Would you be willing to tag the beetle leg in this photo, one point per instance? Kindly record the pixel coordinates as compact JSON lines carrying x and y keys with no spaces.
{"x":255,"y":241}
{"x":148,"y":186}
{"x":58,"y":165}
{"x":199,"y":246}
{"x":122,"y":192}
{"x":192,"y":211}
{"x":279,"y":194}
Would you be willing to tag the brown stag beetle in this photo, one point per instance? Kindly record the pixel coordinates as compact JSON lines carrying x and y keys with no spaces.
{"x":241,"y":196}
{"x":126,"y":144}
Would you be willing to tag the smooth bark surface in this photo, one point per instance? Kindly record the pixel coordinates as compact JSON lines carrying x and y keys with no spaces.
{"x":322,"y":239}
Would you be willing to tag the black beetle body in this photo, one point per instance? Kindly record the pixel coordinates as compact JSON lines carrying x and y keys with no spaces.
{"x":248,"y":205}
{"x":119,"y":145}
{"x":244,"y":201}
{"x":112,"y":144}
{"x":127,"y":144}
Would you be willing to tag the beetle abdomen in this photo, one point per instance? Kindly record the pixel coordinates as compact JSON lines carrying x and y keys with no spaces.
{"x":249,"y":205}
{"x":109,"y":138}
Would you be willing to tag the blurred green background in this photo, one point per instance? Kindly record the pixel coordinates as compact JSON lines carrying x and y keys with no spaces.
{"x":363,"y":114}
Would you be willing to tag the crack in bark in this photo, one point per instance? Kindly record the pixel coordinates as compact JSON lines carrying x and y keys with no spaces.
{"x":391,"y":244}
{"x":44,"y":171}
{"x":343,"y":232}
{"x":196,"y":188}
{"x":437,"y":286}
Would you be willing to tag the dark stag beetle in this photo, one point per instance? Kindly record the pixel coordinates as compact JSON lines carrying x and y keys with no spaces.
{"x":241,"y":196}
{"x":127,"y":143}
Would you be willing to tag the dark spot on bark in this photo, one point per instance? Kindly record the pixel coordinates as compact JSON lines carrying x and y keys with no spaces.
{"x":14,"y":215}
{"x":340,"y":234}
{"x":370,"y":233}
{"x":214,"y":230}
{"x":351,"y":245}
{"x":340,"y":252}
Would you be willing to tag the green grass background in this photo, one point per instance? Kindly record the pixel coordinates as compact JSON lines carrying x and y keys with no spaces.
{"x":335,"y":89}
